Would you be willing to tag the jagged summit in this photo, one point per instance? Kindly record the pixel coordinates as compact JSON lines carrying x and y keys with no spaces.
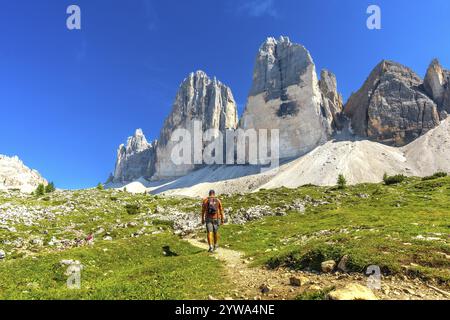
{"x":285,"y":95}
{"x":394,"y":107}
{"x":279,"y":64}
{"x":437,"y":86}
{"x":134,"y":158}
{"x":15,"y":175}
{"x":199,"y":98}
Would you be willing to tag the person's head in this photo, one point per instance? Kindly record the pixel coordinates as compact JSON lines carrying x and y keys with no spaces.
{"x":212,"y":193}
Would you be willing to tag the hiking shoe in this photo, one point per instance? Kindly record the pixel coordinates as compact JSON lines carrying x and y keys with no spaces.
{"x":210,"y":249}
{"x":216,"y":247}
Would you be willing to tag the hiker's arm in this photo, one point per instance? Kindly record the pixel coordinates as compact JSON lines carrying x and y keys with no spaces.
{"x":203,"y":212}
{"x":222,"y":216}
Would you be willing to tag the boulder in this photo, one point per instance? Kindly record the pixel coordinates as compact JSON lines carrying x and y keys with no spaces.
{"x":38,"y":242}
{"x":265,"y":288}
{"x":352,"y":291}
{"x":298,"y":281}
{"x":2,"y":254}
{"x":343,"y":264}
{"x":328,"y":266}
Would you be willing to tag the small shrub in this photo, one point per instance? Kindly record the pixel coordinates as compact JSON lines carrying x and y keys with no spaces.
{"x":312,"y":259}
{"x":40,"y":190}
{"x":440,"y":174}
{"x":437,"y":175}
{"x":132,"y":209}
{"x":162,"y":223}
{"x":113,"y":198}
{"x":100,"y":187}
{"x":315,"y":295}
{"x":341,"y":182}
{"x":390,"y":180}
{"x":50,"y":188}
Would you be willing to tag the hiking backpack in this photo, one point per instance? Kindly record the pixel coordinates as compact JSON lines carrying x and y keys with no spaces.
{"x":213,"y":206}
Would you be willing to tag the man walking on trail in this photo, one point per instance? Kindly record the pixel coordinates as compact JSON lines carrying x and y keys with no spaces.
{"x":212,"y":215}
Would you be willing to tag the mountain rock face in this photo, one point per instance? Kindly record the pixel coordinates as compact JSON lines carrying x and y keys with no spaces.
{"x":15,"y":175}
{"x":135,"y":160}
{"x":332,"y":102}
{"x":199,"y":98}
{"x":392,"y":106}
{"x":437,"y":86}
{"x":286,"y":95}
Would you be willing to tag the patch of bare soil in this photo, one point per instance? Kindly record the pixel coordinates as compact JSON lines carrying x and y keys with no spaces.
{"x":258,"y":283}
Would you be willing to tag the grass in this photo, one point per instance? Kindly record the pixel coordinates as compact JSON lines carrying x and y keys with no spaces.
{"x":373,"y":224}
{"x":403,"y":228}
{"x":315,"y":295}
{"x":125,"y":269}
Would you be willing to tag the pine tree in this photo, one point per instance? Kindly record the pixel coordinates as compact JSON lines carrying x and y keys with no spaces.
{"x":40,"y":190}
{"x":341,"y":182}
{"x":100,"y":186}
{"x":50,"y":188}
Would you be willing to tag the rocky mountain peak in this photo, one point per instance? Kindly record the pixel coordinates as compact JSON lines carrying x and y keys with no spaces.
{"x":436,"y":85}
{"x":279,"y":64}
{"x":199,"y":98}
{"x":15,"y":175}
{"x":285,"y":95}
{"x":134,"y":158}
{"x":391,"y":107}
{"x":137,"y":143}
{"x":332,"y":101}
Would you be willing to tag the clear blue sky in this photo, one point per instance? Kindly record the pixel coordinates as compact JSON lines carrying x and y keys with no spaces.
{"x":69,"y":98}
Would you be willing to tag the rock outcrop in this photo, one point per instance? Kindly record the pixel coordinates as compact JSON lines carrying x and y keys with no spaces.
{"x":199,"y":98}
{"x":392,"y":106}
{"x":285,"y":95}
{"x":437,"y":86}
{"x":332,"y":102}
{"x":135,"y":160}
{"x":15,"y":175}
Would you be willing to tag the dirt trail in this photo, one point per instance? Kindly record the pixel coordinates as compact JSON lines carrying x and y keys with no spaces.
{"x":260,"y":283}
{"x":247,"y":281}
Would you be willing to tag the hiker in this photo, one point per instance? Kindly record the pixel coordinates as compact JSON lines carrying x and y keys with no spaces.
{"x":212,"y":215}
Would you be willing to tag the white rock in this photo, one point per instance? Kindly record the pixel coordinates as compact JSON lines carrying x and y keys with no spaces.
{"x":286,"y":96}
{"x":15,"y":175}
{"x":352,"y":291}
{"x":134,"y":160}
{"x":198,"y":99}
{"x":328,"y":266}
